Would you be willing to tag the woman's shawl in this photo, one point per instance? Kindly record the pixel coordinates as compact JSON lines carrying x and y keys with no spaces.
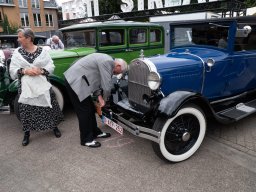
{"x":42,"y":61}
{"x":35,"y":90}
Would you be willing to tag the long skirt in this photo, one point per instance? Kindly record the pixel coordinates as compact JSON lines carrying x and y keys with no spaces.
{"x":40,"y":118}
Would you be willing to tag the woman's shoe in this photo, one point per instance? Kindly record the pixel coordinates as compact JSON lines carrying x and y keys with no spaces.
{"x":25,"y":141}
{"x":57,"y":132}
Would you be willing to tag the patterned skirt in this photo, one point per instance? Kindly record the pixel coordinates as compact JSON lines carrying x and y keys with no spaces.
{"x":40,"y":118}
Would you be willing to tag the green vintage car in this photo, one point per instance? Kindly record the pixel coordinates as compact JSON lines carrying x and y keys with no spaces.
{"x":124,"y":39}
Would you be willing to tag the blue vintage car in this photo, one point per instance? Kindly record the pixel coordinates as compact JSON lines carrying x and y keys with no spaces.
{"x":210,"y":72}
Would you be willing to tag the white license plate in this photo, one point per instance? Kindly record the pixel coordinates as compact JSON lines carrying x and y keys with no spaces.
{"x":113,"y":125}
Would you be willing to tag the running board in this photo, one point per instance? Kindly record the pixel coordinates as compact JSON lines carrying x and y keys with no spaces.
{"x":240,"y":111}
{"x":5,"y":110}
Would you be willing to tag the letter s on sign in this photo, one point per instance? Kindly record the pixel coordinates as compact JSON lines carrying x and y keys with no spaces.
{"x":128,"y":6}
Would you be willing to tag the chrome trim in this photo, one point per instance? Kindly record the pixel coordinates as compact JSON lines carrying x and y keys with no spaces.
{"x":5,"y":110}
{"x":137,"y":130}
{"x":229,"y":98}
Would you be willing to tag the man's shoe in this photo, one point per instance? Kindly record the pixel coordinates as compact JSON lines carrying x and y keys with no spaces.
{"x":104,"y":135}
{"x":57,"y":132}
{"x":25,"y":141}
{"x":92,"y":144}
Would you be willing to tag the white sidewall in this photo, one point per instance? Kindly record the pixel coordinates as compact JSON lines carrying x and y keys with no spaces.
{"x":202,"y":122}
{"x":59,"y":96}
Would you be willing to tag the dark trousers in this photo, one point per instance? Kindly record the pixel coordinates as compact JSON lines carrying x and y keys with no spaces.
{"x":85,"y":111}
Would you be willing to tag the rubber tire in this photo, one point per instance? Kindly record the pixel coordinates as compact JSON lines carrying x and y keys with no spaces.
{"x":161,"y":124}
{"x":59,"y":96}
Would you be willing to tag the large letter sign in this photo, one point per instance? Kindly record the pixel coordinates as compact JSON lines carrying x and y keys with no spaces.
{"x":128,"y":6}
{"x":151,"y":4}
{"x":89,"y":7}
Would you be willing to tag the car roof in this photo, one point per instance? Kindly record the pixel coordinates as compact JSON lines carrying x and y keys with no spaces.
{"x":107,"y":24}
{"x":16,"y":36}
{"x":244,"y":19}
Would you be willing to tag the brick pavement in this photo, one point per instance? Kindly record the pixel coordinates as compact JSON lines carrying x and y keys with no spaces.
{"x":240,"y":135}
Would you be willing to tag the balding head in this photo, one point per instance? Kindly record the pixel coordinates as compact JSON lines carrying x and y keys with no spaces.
{"x":120,"y":66}
{"x":55,"y":39}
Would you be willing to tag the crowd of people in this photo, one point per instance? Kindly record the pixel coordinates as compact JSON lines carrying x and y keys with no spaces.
{"x":37,"y":105}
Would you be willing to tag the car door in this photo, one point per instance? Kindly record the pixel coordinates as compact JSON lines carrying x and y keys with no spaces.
{"x":243,"y":69}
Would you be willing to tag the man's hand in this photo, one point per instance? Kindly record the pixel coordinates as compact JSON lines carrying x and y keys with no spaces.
{"x":101,"y":101}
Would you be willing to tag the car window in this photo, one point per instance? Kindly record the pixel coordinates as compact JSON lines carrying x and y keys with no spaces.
{"x":138,"y":36}
{"x":155,"y":35}
{"x":79,"y":39}
{"x":111,"y":37}
{"x":200,"y":34}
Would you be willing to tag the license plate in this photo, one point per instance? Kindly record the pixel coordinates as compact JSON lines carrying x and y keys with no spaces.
{"x":113,"y":125}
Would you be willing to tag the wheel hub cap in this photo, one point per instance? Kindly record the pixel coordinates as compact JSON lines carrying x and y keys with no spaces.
{"x":186,"y":136}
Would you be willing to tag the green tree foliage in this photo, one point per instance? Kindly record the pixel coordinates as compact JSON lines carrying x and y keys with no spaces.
{"x":8,"y":28}
{"x":250,"y":3}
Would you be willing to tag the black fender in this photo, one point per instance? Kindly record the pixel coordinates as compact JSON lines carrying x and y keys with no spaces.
{"x":170,"y":105}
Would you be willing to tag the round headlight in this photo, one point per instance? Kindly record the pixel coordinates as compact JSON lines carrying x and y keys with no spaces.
{"x":154,"y":80}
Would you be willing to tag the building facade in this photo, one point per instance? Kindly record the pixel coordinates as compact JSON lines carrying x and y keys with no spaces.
{"x":40,"y":15}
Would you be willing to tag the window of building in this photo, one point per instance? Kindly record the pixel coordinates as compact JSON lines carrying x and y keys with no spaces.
{"x":1,"y":18}
{"x":37,"y":19}
{"x":24,"y":19}
{"x":23,"y":3}
{"x":49,"y":20}
{"x":35,"y":4}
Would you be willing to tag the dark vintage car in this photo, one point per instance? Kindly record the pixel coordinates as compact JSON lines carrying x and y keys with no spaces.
{"x":210,"y":72}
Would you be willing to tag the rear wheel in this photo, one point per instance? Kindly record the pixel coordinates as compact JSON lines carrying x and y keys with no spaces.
{"x":181,"y":135}
{"x":59,"y":96}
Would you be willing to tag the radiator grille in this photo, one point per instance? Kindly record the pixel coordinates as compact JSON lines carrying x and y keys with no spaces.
{"x":137,"y":83}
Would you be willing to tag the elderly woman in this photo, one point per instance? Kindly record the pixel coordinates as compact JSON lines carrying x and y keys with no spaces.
{"x":38,"y":107}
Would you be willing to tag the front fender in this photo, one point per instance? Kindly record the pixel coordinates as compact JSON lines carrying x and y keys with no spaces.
{"x":170,"y":105}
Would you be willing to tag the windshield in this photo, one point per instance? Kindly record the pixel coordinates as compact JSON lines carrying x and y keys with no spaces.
{"x":208,"y":34}
{"x":79,"y":39}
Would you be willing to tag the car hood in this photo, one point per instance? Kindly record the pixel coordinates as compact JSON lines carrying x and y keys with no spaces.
{"x":76,"y":52}
{"x":182,"y":57}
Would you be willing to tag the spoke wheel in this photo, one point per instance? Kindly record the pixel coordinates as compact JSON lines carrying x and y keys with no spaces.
{"x":181,"y":135}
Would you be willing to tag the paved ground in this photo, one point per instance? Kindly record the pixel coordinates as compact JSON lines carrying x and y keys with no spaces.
{"x":124,"y":163}
{"x":241,"y":135}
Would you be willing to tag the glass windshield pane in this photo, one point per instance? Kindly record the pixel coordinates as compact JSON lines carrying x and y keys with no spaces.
{"x":208,"y":34}
{"x":79,"y":39}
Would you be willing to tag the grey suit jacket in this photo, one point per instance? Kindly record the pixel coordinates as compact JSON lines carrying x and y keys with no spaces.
{"x":91,"y":73}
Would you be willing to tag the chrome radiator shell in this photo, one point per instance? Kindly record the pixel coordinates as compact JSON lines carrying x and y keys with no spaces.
{"x":139,"y":70}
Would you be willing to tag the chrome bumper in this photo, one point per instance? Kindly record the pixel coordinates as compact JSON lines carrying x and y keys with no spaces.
{"x":129,"y":126}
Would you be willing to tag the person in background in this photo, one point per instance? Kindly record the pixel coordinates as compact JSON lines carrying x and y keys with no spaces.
{"x":91,"y":74}
{"x":223,"y":41}
{"x":55,"y":43}
{"x":38,"y":107}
